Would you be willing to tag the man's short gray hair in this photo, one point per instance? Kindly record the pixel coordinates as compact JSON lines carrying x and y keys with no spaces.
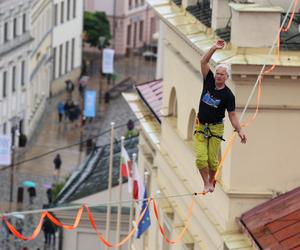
{"x":227,"y":68}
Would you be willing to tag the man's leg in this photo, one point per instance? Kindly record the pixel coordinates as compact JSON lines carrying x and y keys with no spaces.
{"x":213,"y":154}
{"x":205,"y":177}
{"x":201,"y":150}
{"x":212,"y":181}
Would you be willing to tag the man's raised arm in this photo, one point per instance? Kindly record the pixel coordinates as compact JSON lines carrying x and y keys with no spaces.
{"x":206,"y":57}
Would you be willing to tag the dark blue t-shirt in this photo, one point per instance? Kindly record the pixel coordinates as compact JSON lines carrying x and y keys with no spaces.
{"x":213,"y":102}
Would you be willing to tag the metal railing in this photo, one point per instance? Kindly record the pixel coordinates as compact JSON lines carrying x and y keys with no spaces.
{"x":290,"y":40}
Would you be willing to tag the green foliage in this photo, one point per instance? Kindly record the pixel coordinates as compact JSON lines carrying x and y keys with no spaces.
{"x":58,"y":187}
{"x":96,"y":25}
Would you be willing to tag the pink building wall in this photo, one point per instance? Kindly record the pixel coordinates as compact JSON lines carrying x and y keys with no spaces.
{"x":134,"y":26}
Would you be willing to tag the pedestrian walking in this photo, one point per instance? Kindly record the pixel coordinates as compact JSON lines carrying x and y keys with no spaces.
{"x":19,"y":225}
{"x":32,"y":194}
{"x":4,"y":232}
{"x":71,"y":111}
{"x":60,"y":110}
{"x":49,"y":232}
{"x":57,"y":164}
{"x":69,"y":88}
{"x":81,"y":86}
{"x":49,"y":195}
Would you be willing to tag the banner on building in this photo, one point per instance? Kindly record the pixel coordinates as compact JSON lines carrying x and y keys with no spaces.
{"x":90,"y":103}
{"x":108,"y":61}
{"x":5,"y":150}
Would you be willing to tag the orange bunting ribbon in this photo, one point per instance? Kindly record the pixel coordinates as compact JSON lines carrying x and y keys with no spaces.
{"x":92,"y":221}
{"x":55,"y":221}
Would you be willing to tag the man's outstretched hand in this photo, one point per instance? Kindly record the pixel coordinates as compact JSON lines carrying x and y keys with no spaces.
{"x":220,"y":44}
{"x":243,"y":137}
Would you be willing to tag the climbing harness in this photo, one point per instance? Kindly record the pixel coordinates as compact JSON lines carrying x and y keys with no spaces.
{"x":207,"y":133}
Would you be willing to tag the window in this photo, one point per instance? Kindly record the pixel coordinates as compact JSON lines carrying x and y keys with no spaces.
{"x":56,"y":15}
{"x":4,"y":84}
{"x":135,"y":34}
{"x":24,"y":23}
{"x":13,"y":79}
{"x":128,"y":34}
{"x":130,"y":4}
{"x":152,"y":26}
{"x":136,"y":3}
{"x":73,"y":53}
{"x":67,"y":57}
{"x":6,"y":32}
{"x":15,"y":28}
{"x":62,"y":9}
{"x":141,"y":30}
{"x":74,"y":8}
{"x":23,"y":73}
{"x":4,"y":128}
{"x":68,"y":9}
{"x":60,"y":59}
{"x":54,"y":62}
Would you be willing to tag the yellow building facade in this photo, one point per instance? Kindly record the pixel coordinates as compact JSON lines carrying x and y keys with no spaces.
{"x":252,"y":173}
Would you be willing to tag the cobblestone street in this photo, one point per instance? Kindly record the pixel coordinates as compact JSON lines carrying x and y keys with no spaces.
{"x":51,"y":135}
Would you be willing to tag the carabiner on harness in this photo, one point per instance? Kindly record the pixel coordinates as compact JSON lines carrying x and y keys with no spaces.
{"x":206,"y":131}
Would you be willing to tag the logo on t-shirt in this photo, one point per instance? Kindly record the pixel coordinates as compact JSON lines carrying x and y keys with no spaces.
{"x":209,"y":100}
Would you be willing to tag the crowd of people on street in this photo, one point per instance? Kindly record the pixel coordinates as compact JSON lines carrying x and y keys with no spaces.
{"x":68,"y":110}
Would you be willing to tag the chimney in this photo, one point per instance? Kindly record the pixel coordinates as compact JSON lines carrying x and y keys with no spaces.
{"x":253,"y":25}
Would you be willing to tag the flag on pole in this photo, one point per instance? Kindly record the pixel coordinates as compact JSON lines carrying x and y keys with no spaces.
{"x":126,"y":167}
{"x":145,"y":222}
{"x":138,"y":185}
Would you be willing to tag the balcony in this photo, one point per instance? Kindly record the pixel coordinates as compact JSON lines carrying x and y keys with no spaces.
{"x":15,"y":43}
{"x":290,"y":40}
{"x":201,"y":11}
{"x":177,"y":2}
{"x":224,"y":33}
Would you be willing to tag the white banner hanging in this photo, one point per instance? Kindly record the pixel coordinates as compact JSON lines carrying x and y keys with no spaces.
{"x":108,"y":61}
{"x":5,"y":150}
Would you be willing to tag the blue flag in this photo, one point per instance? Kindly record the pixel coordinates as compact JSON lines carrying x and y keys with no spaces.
{"x":145,"y":222}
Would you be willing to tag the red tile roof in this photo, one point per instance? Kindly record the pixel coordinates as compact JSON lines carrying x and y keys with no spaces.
{"x":152,"y":93}
{"x":275,"y":224}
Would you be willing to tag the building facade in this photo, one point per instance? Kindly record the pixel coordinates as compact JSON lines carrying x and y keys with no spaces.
{"x":66,"y":42}
{"x":132,"y":22}
{"x":40,"y":62}
{"x":15,"y":47}
{"x":252,"y":173}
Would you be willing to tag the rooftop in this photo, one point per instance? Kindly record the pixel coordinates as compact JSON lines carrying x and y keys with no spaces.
{"x":92,"y":177}
{"x":152,"y":94}
{"x":275,"y":224}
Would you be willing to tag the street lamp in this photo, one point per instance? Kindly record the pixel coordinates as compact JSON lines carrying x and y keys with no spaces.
{"x":101,"y":45}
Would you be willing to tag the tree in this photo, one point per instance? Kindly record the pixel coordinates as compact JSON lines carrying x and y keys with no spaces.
{"x":96,"y":25}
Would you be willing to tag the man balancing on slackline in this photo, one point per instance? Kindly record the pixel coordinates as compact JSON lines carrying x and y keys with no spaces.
{"x":215,"y":98}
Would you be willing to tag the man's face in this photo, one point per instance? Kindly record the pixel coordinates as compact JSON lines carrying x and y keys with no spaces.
{"x":221,"y":75}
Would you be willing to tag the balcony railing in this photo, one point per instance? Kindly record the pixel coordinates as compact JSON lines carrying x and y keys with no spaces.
{"x":290,"y":40}
{"x":15,"y":43}
{"x":177,"y":2}
{"x":201,"y":11}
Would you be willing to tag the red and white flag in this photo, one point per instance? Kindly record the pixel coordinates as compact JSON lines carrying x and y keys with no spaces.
{"x":138,"y":185}
{"x":126,"y":167}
